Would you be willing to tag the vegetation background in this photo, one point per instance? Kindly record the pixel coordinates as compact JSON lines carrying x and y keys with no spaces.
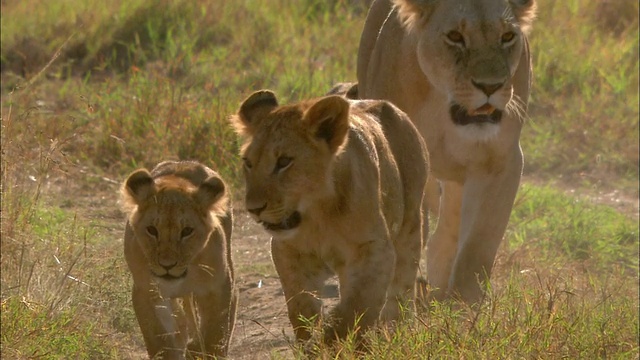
{"x":93,"y":90}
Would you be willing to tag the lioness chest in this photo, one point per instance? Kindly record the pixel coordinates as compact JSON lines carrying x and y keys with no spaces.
{"x":453,"y":156}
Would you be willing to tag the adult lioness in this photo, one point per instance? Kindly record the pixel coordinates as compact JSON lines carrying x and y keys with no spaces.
{"x":339,"y":185}
{"x":461,"y":70}
{"x":177,"y":245}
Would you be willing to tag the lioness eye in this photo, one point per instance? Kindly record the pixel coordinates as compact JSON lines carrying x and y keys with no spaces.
{"x":151,"y":230}
{"x":186,"y":232}
{"x":283,"y":162}
{"x":247,"y":163}
{"x":508,"y":36}
{"x":455,"y":37}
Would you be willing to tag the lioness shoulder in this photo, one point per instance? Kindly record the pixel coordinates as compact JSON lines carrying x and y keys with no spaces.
{"x":339,"y":185}
{"x":177,"y":246}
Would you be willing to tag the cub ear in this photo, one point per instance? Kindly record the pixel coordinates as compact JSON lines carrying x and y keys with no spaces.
{"x":525,"y":12}
{"x":328,"y":120}
{"x":252,"y":109}
{"x":414,"y":13}
{"x":137,"y":188}
{"x":211,"y":195}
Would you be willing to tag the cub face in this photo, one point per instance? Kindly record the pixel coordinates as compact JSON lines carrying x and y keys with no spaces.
{"x":288,"y":154}
{"x":172,"y":219}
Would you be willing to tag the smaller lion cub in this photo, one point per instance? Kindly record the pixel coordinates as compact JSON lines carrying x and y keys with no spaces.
{"x":339,"y":185}
{"x":177,"y":247}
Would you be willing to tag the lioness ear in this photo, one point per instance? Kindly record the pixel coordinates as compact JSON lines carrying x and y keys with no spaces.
{"x":348,"y":90}
{"x":328,"y":120}
{"x":138,"y":187}
{"x":211,"y":195}
{"x":256,"y":106}
{"x":525,"y":12}
{"x":414,"y":13}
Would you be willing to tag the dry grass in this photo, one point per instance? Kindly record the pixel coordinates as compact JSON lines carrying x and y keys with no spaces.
{"x":91,"y":91}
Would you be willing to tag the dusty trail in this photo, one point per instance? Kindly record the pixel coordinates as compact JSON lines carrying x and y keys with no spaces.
{"x":262,"y":327}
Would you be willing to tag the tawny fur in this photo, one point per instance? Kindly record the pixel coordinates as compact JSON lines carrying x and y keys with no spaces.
{"x":426,"y":56}
{"x":177,"y":247}
{"x":339,"y":184}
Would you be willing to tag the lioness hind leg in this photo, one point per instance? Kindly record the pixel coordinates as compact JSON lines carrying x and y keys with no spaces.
{"x":302,"y":277}
{"x":443,"y":245}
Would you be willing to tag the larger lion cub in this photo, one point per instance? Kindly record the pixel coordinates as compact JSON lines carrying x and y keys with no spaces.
{"x":339,"y":185}
{"x":176,"y":245}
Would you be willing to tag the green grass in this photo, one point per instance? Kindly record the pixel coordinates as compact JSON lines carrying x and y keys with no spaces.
{"x":91,"y":91}
{"x":62,"y":282}
{"x":575,"y":229}
{"x":584,"y":121}
{"x":565,"y":286}
{"x":28,"y":324}
{"x":541,"y":314}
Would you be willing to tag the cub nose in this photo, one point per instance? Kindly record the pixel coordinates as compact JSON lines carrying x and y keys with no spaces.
{"x":257,"y":210}
{"x":487,"y":89}
{"x":168,"y":264}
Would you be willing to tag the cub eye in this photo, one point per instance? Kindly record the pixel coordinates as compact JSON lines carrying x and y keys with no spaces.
{"x":186,"y":232}
{"x":455,"y":37}
{"x":247,"y":163}
{"x":151,"y":230}
{"x":283,"y":162}
{"x":508,"y":37}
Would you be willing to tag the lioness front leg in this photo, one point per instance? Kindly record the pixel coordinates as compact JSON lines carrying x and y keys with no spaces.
{"x":364,"y":281}
{"x":484,"y":220}
{"x":442,"y":247}
{"x":302,"y":277}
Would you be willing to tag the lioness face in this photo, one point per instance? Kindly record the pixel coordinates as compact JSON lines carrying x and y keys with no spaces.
{"x":172,"y":219}
{"x":287,"y":156}
{"x":469,"y":50}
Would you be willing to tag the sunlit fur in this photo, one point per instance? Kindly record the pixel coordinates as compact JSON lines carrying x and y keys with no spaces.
{"x":177,"y":246}
{"x":461,"y":70}
{"x":339,"y":185}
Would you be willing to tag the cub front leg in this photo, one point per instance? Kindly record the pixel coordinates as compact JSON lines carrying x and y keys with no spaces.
{"x":302,"y":276}
{"x":163,"y":325}
{"x":364,"y":281}
{"x":217,"y":319}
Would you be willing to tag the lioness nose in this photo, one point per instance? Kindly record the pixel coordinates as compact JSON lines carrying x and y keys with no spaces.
{"x":256,"y":211}
{"x":487,"y":89}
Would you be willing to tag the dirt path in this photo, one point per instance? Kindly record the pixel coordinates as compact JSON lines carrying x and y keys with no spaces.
{"x":262,"y":327}
{"x":624,"y":202}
